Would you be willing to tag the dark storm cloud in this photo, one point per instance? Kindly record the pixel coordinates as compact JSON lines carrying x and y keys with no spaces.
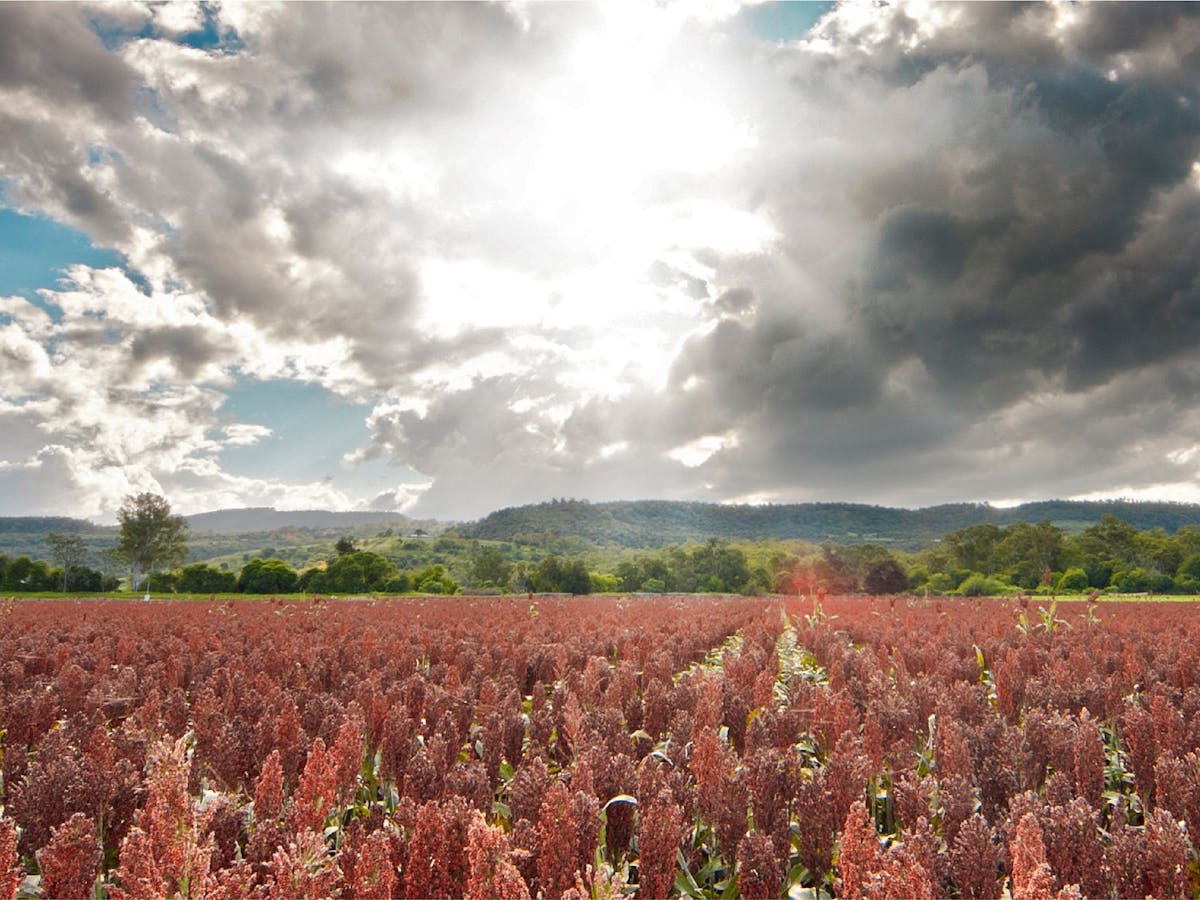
{"x":1053,"y":259}
{"x":52,"y":46}
{"x":1038,"y":243}
{"x":187,"y":349}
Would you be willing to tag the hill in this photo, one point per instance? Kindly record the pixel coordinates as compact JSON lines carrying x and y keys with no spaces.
{"x":299,"y":536}
{"x":652,"y":523}
{"x":574,"y":527}
{"x":263,"y":519}
{"x":42,"y":524}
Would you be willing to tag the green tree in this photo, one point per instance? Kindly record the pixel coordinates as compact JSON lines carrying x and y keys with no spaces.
{"x":603,"y":582}
{"x":575,"y":578}
{"x":359,"y":571}
{"x":974,"y":547}
{"x":833,"y":571}
{"x":401,"y":584}
{"x":548,"y":576}
{"x":719,"y":567}
{"x":267,"y":576}
{"x":201,"y":578}
{"x":980,"y":586}
{"x":1109,"y":539}
{"x":1158,"y":552}
{"x":82,"y":578}
{"x":160,"y":583}
{"x":345,"y":545}
{"x":886,"y":577}
{"x":490,"y":568}
{"x":151,"y":538}
{"x":1074,"y":580}
{"x":25,"y":574}
{"x":434,"y":580}
{"x":68,"y":551}
{"x":1133,"y":581}
{"x":628,"y":575}
{"x":1190,"y":567}
{"x":1026,"y":551}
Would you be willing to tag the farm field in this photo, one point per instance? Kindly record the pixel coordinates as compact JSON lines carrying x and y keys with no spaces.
{"x":599,"y":746}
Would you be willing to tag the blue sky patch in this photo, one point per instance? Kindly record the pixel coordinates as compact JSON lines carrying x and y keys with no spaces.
{"x":35,"y":250}
{"x":784,"y":21}
{"x":311,"y":431}
{"x":208,"y":37}
{"x":211,"y":37}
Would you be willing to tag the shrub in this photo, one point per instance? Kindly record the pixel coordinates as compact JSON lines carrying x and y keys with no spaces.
{"x":603,"y":583}
{"x":200,"y":578}
{"x":358,"y":570}
{"x":81,"y":578}
{"x":940,"y":583}
{"x":399,"y":585}
{"x":1190,"y":568}
{"x":160,"y":583}
{"x":918,"y":576}
{"x":886,"y":577}
{"x":1162,"y":584}
{"x":980,"y":586}
{"x":434,"y":580}
{"x":1099,"y":573}
{"x":1132,"y":581}
{"x":1074,"y":580}
{"x":267,"y":576}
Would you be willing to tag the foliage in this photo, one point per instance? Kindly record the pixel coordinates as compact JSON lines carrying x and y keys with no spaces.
{"x":886,"y":577}
{"x":160,"y":583}
{"x":489,"y":568}
{"x":25,"y":574}
{"x":434,"y":580}
{"x":1074,"y":580}
{"x":1190,"y":567}
{"x":980,"y":586}
{"x":353,"y":572}
{"x":199,"y":578}
{"x":69,"y":552}
{"x":656,"y":523}
{"x":555,"y":575}
{"x":267,"y":576}
{"x":1132,"y":581}
{"x":1033,"y":558}
{"x":150,"y":537}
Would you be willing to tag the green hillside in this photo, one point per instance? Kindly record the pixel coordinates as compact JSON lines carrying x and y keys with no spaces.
{"x":655,"y":523}
{"x":602,"y":533}
{"x":266,"y":519}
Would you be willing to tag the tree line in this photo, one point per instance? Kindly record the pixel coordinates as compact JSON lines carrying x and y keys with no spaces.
{"x":982,"y":559}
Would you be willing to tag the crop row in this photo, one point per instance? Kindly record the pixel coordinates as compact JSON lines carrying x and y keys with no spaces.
{"x":596,"y":746}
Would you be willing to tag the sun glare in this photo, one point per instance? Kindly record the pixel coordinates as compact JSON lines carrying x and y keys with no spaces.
{"x":607,"y":132}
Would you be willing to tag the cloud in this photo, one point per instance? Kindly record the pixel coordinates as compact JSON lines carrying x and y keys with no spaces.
{"x":1011,"y":222}
{"x":925,"y":252}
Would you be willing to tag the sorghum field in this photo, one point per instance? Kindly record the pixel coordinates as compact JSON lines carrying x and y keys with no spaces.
{"x":591,"y":747}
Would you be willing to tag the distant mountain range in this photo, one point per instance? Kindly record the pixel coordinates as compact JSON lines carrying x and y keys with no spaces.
{"x":259,"y":531}
{"x":648,"y":523}
{"x":226,"y":521}
{"x":265,"y":518}
{"x":638,"y":523}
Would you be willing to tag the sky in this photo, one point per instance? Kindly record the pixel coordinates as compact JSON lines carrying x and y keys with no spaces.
{"x":447,"y":258}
